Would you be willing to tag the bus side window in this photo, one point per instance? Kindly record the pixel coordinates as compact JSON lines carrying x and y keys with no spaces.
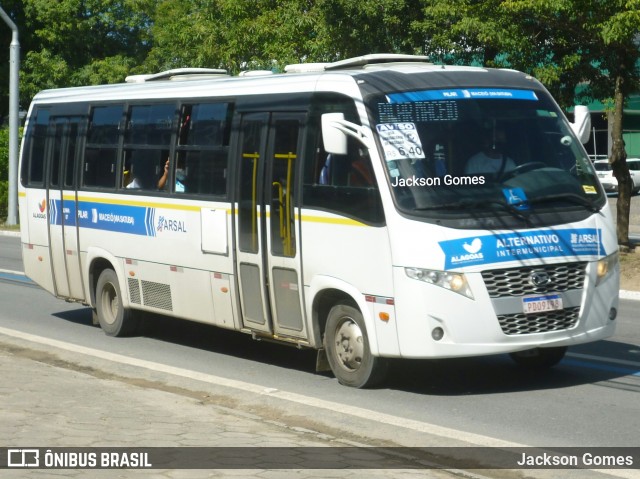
{"x":351,"y":170}
{"x":32,"y":173}
{"x":101,"y":152}
{"x":343,"y":184}
{"x":100,"y":167}
{"x":147,"y":145}
{"x":145,"y":168}
{"x":55,"y":155}
{"x":203,"y":148}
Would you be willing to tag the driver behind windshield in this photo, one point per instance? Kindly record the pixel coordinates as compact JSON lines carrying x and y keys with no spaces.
{"x":492,"y":157}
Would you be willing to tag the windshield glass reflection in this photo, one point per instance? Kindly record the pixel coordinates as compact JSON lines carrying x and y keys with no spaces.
{"x":494,"y":150}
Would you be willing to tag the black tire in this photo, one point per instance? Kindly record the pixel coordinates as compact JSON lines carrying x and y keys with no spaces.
{"x":539,"y":358}
{"x":348,"y":352}
{"x":114,"y":319}
{"x":94,"y":317}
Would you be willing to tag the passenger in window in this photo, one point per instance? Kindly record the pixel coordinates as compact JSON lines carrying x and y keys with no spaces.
{"x":180,"y":178}
{"x":143,"y":171}
{"x":361,"y":170}
{"x":491,"y":158}
{"x":325,"y":172}
{"x":126,"y":176}
{"x":136,"y":184}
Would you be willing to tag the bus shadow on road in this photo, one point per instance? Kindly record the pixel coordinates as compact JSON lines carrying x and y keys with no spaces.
{"x":498,"y":374}
{"x":209,"y":338}
{"x":446,"y":377}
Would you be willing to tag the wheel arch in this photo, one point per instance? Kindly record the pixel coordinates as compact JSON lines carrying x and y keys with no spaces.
{"x":99,"y":261}
{"x":327,"y":292}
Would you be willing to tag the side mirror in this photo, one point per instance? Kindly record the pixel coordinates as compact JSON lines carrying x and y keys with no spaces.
{"x":581,"y":123}
{"x":333,"y":138}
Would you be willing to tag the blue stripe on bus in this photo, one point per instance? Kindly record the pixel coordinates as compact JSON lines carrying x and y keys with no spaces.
{"x":504,"y":247}
{"x":463,"y":94}
{"x":132,"y":219}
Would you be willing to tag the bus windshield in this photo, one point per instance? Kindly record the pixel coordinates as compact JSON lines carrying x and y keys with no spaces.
{"x":490,"y":151}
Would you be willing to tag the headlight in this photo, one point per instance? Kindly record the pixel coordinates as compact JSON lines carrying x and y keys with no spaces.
{"x":455,"y":282}
{"x":605,"y":266}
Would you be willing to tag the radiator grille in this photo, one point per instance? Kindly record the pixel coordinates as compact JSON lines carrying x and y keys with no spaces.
{"x":521,"y":323}
{"x":517,"y":281}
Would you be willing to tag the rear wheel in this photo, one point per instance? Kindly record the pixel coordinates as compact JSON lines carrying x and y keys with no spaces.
{"x":539,"y":358}
{"x":113,"y":317}
{"x":348,"y":352}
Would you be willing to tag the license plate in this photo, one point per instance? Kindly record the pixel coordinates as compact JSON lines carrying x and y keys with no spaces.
{"x":541,"y":304}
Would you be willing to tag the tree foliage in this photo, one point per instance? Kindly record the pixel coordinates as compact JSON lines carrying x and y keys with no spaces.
{"x":238,"y":34}
{"x":83,"y":41}
{"x":4,"y":171}
{"x":563,"y":43}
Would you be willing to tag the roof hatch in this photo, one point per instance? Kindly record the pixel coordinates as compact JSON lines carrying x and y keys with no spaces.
{"x":178,"y":74}
{"x":356,"y":62}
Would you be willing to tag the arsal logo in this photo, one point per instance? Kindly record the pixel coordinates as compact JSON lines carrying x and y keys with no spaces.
{"x":42,"y":206}
{"x":166,"y":224}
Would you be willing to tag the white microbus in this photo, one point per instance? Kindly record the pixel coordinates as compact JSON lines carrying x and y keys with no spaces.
{"x":373,"y":208}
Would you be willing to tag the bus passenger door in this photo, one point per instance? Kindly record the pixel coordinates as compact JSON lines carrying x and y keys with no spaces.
{"x":62,"y":200}
{"x":267,"y":227}
{"x":249,"y":238}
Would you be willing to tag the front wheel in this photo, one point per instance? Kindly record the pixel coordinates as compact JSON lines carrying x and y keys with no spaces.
{"x":113,"y":317}
{"x":539,"y":358}
{"x":348,"y":352}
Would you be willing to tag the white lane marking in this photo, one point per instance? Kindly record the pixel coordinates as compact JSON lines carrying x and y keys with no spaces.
{"x":8,"y":271}
{"x":633,"y":295}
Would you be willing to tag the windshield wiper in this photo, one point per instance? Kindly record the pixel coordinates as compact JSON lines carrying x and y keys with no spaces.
{"x":458,"y":205}
{"x":571,"y":197}
{"x":463,"y":205}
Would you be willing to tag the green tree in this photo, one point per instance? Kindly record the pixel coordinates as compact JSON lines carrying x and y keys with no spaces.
{"x":4,"y":171}
{"x":597,"y":46}
{"x":237,"y":34}
{"x":79,"y":42}
{"x":180,"y":30}
{"x":15,"y":10}
{"x":370,"y":26}
{"x":251,"y":34}
{"x":617,"y":29}
{"x":564,"y":43}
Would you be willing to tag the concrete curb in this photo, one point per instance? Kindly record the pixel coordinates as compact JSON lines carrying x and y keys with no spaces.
{"x":632,"y":295}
